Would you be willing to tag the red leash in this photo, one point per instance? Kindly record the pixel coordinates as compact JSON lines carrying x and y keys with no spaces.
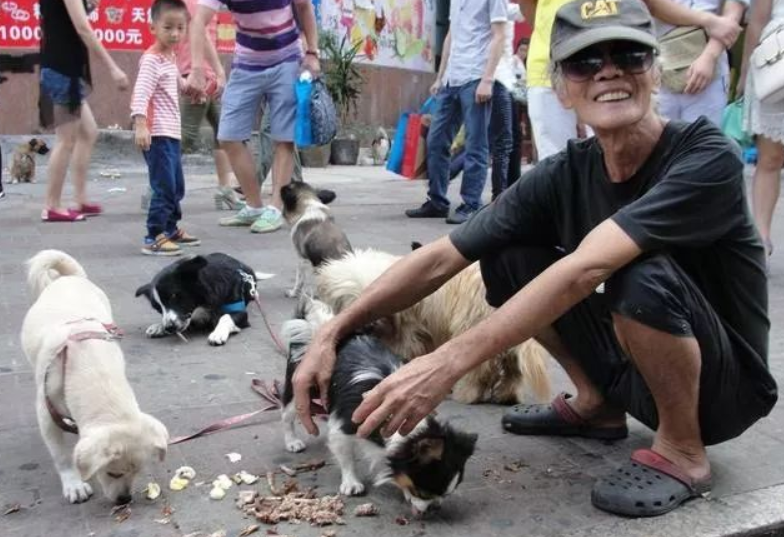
{"x":272,"y":394}
{"x":272,"y":333}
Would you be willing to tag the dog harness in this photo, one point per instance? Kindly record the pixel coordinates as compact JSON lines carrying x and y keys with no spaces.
{"x":240,"y":305}
{"x":110,"y":332}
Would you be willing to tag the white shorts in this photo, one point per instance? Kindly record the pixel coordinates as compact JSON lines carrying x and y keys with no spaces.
{"x":710,"y":102}
{"x":552,"y":124}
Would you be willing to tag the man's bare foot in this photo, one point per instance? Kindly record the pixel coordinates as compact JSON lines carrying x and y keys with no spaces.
{"x":690,"y":458}
{"x":596,"y":411}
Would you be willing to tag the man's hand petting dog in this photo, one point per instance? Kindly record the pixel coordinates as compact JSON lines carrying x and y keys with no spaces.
{"x":314,"y":371}
{"x":407,"y":396}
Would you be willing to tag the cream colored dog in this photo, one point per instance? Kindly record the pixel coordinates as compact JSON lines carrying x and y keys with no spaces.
{"x":80,"y":373}
{"x":454,"y":308}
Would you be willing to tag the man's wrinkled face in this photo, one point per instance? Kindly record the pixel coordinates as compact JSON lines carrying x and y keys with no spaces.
{"x":609,"y":85}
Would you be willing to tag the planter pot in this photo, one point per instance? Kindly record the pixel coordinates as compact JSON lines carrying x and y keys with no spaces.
{"x":316,"y":156}
{"x":345,"y":152}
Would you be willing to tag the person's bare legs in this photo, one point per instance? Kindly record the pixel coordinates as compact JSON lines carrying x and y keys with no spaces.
{"x":86,"y":136}
{"x":223,"y":168}
{"x":766,"y":185}
{"x":588,"y":402}
{"x":282,"y":169}
{"x":245,"y":170}
{"x":65,"y":141}
{"x":670,"y":366}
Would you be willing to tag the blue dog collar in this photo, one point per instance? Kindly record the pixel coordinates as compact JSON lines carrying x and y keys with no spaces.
{"x":234,"y":307}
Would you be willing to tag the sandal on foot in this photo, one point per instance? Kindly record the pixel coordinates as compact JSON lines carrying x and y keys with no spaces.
{"x":647,"y":485}
{"x":557,"y":419}
{"x":90,"y":209}
{"x":69,"y":215}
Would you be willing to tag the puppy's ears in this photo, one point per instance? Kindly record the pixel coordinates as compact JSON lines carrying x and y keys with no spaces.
{"x":33,"y":143}
{"x":192,"y":265}
{"x":326,"y":196}
{"x":289,"y":196}
{"x":94,"y":451}
{"x":145,"y":290}
{"x":429,"y":449}
{"x":157,"y":434}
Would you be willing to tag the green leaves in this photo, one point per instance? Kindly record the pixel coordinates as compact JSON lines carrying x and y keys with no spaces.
{"x":341,"y":76}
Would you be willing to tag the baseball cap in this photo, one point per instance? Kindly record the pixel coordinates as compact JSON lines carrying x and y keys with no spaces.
{"x":583,"y":23}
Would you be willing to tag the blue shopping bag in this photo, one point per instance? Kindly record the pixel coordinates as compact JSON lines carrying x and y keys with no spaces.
{"x":732,"y":123}
{"x":395,"y":159}
{"x":303,"y":135}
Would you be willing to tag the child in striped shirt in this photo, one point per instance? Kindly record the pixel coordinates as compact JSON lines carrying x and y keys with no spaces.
{"x":156,"y":116}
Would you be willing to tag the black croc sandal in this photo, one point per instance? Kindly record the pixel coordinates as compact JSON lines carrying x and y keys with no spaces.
{"x":647,"y":485}
{"x":556,"y":419}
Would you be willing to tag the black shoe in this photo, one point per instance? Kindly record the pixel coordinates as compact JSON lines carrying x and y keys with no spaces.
{"x":460,"y":215}
{"x":427,"y":210}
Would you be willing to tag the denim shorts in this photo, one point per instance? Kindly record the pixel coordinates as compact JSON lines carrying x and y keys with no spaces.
{"x":242,"y":98}
{"x":57,"y":87}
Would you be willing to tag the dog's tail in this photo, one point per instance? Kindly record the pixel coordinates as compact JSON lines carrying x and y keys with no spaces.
{"x":296,"y":333}
{"x":532,"y":360}
{"x":48,"y":265}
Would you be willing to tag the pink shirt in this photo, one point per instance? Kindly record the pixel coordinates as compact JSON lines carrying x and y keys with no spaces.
{"x":155,"y":94}
{"x":184,"y":50}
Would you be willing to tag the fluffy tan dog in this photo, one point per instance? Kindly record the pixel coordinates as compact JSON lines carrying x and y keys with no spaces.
{"x":80,"y":373}
{"x":453,"y":309}
{"x":23,"y":162}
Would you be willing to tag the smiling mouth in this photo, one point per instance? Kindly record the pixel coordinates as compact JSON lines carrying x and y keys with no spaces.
{"x":613,"y":96}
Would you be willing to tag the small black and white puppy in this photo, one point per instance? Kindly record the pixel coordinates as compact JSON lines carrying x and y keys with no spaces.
{"x":314,"y":233}
{"x":213,"y":290}
{"x":426,"y":465}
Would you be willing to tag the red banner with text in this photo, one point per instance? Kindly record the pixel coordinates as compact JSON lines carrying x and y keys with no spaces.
{"x":119,"y":25}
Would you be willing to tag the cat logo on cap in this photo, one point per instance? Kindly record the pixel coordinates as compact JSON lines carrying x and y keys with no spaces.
{"x":599,"y":8}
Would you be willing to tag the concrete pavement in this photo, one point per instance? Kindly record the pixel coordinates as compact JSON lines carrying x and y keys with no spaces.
{"x":513,"y":486}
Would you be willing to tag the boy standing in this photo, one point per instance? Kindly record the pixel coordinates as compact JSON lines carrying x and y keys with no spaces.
{"x":156,"y":115}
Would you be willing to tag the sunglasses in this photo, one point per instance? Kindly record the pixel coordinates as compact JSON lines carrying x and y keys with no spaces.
{"x":631,"y":59}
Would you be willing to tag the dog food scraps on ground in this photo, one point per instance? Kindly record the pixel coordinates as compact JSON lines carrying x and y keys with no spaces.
{"x":289,"y":504}
{"x":366,"y":509}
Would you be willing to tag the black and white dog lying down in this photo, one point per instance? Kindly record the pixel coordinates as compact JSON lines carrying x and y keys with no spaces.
{"x":426,"y":465}
{"x":212,"y":291}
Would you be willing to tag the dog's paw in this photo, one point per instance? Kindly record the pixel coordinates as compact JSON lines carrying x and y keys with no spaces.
{"x":351,"y":487}
{"x":218,"y":337}
{"x":292,"y":293}
{"x":75,"y":490}
{"x":295,"y":445}
{"x":155,"y":330}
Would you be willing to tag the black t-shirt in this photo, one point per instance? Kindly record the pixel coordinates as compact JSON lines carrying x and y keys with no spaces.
{"x":687,"y":200}
{"x":61,"y":47}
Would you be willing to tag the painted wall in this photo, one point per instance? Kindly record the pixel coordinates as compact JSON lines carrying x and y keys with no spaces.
{"x":392,"y":33}
{"x":397,"y":58}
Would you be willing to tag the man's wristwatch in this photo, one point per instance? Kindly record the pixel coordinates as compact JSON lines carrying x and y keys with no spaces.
{"x":315,"y":53}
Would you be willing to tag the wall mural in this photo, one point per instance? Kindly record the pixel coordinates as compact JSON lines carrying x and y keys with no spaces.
{"x":392,"y":33}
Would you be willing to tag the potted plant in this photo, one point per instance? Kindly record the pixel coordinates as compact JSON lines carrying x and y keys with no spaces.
{"x":344,"y":84}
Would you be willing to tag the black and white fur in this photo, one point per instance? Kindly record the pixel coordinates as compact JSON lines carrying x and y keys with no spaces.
{"x":427,"y":464}
{"x":315,"y":235}
{"x":211,"y":290}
